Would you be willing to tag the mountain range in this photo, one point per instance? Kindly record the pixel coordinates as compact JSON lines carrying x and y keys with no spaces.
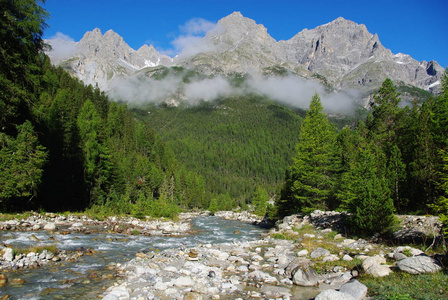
{"x":341,"y":54}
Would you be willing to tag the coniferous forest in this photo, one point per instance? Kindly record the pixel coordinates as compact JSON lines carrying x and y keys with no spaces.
{"x":66,"y":146}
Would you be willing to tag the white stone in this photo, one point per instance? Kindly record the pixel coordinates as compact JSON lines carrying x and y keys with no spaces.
{"x":303,"y":252}
{"x":50,"y":226}
{"x":184,"y":281}
{"x":8,"y":254}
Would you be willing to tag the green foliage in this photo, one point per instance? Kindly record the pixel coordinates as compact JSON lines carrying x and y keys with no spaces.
{"x":366,"y":194}
{"x":235,"y":144}
{"x":312,"y":178}
{"x":260,"y":201}
{"x":21,"y":29}
{"x":21,"y":164}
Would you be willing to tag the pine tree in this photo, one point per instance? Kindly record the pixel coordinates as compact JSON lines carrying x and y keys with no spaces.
{"x":383,"y":128}
{"x":97,"y":158}
{"x":260,"y":201}
{"x":21,"y":29}
{"x":21,"y":165}
{"x":367,"y":195}
{"x":311,"y":179}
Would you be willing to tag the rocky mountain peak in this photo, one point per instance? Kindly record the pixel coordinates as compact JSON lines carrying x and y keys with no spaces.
{"x":342,"y":53}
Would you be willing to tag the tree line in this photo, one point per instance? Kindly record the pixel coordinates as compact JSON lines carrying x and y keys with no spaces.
{"x":393,"y":162}
{"x":65,"y":146}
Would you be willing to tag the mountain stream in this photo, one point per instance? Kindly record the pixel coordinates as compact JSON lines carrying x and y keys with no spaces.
{"x":90,"y":275}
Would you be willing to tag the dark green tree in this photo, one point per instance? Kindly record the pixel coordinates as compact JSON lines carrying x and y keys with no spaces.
{"x":366,"y":194}
{"x":21,"y":28}
{"x":383,"y":126}
{"x":312,"y":178}
{"x":260,"y":201}
{"x":97,"y":158}
{"x":21,"y":166}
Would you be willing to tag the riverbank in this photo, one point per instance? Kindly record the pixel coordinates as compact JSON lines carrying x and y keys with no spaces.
{"x":301,"y":258}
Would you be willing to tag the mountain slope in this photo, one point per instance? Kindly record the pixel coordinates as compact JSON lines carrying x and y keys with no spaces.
{"x":342,"y":54}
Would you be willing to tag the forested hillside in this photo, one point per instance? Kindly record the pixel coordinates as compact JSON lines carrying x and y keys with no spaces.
{"x":65,"y":146}
{"x":235,"y":143}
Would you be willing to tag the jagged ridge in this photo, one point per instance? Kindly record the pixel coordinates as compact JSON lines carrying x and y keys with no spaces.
{"x":342,"y":52}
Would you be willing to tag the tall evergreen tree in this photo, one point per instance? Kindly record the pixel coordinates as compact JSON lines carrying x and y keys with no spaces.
{"x":21,"y":29}
{"x":21,"y":166}
{"x":311,"y":179}
{"x":366,"y":193}
{"x":383,"y":128}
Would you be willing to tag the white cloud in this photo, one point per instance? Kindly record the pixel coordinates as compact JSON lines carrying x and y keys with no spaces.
{"x":197,"y":26}
{"x":298,"y":92}
{"x":63,"y":47}
{"x":207,"y":89}
{"x":190,"y":40}
{"x":61,"y":36}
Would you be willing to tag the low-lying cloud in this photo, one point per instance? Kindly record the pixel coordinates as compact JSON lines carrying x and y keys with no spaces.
{"x":298,"y":92}
{"x":291,"y":90}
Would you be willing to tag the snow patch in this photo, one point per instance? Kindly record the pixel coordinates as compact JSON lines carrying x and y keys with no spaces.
{"x":434,"y":84}
{"x":149,"y":63}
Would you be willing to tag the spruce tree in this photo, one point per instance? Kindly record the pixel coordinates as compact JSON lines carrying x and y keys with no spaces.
{"x":367,"y":195}
{"x":383,"y":128}
{"x":311,"y":179}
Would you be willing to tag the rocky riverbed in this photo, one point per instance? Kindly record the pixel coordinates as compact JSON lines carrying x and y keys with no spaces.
{"x":314,"y":261}
{"x":200,"y":257}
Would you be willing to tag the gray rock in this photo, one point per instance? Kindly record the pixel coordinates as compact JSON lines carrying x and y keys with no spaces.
{"x":319,"y":252}
{"x":419,"y":265}
{"x":355,"y":289}
{"x":50,"y":226}
{"x":347,"y":257}
{"x":399,"y":256}
{"x":374,"y":266}
{"x":305,"y":276}
{"x":184,"y":281}
{"x":8,"y":254}
{"x":296,"y":263}
{"x":333,"y":295}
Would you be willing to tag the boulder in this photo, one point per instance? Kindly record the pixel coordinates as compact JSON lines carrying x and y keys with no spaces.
{"x":374,"y":266}
{"x":50,"y":226}
{"x":8,"y":254}
{"x":305,"y":276}
{"x":319,"y":252}
{"x":296,"y":263}
{"x":333,"y":295}
{"x":355,"y":289}
{"x":419,"y":265}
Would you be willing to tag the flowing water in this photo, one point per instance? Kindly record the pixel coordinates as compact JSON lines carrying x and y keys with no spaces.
{"x":89,"y":276}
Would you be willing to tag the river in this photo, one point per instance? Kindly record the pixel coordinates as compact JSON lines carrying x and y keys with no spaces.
{"x":89,"y":275}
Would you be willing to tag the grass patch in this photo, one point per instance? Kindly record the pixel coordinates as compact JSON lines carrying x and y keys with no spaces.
{"x":327,"y":267}
{"x":37,"y":249}
{"x":400,"y":285}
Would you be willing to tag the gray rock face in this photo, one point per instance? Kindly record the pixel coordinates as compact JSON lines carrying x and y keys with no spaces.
{"x":98,"y":58}
{"x":343,"y":52}
{"x":419,"y":265}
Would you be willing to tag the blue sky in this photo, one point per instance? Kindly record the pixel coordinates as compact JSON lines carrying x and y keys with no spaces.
{"x":415,"y":27}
